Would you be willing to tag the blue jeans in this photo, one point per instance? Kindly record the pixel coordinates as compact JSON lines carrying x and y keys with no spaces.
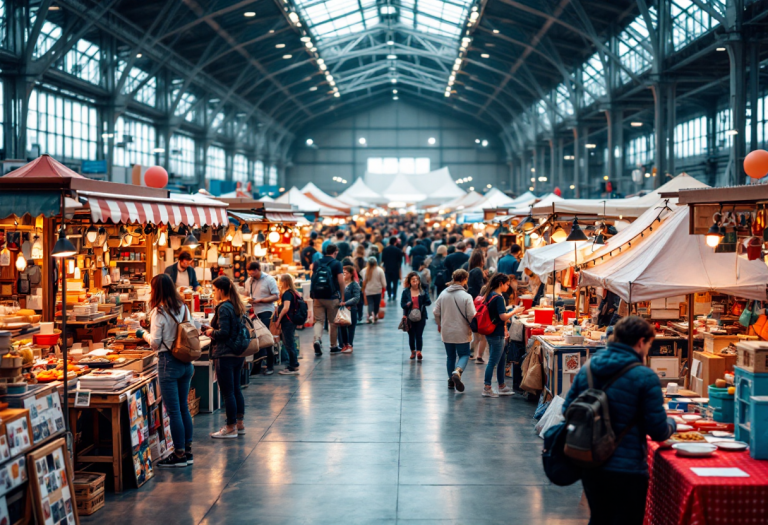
{"x":228,"y":376}
{"x":495,"y":357}
{"x":347,"y":333}
{"x":451,"y":349}
{"x":288,"y":334}
{"x":175,"y":377}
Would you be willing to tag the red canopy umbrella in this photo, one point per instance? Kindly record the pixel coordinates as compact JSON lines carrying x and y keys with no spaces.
{"x":44,"y":166}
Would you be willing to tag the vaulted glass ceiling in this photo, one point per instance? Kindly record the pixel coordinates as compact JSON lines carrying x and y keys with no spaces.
{"x":327,"y":19}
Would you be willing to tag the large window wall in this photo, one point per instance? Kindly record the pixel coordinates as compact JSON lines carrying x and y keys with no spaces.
{"x":258,"y":173}
{"x":216,"y":166}
{"x":691,"y":138}
{"x":135,"y":142}
{"x":240,"y":168}
{"x":182,"y":155}
{"x":63,"y":127}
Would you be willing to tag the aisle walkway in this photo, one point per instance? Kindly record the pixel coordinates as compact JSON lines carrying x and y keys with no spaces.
{"x":372,"y":438}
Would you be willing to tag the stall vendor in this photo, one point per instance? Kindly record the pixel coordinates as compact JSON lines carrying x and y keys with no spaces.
{"x":183,"y":273}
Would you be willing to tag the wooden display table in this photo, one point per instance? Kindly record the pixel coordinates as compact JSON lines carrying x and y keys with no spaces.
{"x":111,"y":405}
{"x":95,"y":330}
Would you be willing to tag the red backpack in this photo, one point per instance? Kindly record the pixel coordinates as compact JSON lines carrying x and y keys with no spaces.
{"x":481,"y":323}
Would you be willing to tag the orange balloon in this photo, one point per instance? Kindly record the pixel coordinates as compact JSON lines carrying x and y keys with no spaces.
{"x":156,"y":177}
{"x":756,"y":164}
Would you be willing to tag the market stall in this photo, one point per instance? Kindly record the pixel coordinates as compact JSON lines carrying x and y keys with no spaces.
{"x":92,"y":283}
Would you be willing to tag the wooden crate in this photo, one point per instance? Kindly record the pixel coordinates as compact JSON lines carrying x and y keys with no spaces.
{"x":88,"y":484}
{"x":194,"y":407}
{"x":753,"y":356}
{"x":91,"y":505}
{"x":715,"y":344}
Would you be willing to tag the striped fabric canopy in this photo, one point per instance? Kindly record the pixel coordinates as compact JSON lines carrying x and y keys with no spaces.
{"x":106,"y":208}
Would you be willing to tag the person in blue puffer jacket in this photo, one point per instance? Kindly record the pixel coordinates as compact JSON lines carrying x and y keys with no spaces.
{"x":617,"y":491}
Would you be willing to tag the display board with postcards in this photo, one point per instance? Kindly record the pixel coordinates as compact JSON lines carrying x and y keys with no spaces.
{"x":51,"y":480}
{"x":46,"y":416}
{"x":139,"y":424}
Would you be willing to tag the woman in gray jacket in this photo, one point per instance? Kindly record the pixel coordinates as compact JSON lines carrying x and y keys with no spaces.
{"x":453,"y":312}
{"x":352,"y":297}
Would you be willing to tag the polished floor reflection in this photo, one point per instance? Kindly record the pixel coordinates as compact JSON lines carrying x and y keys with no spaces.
{"x":369,"y":438}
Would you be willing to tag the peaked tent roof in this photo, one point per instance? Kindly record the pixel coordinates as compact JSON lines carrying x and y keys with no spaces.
{"x":544,"y":260}
{"x":361,"y":192}
{"x":437,"y":184}
{"x":634,"y":207}
{"x":266,"y":198}
{"x":44,"y":166}
{"x":323,"y":199}
{"x":401,"y":190}
{"x":495,"y":198}
{"x":673,"y":262}
{"x":525,"y":209}
{"x":525,"y":198}
{"x":294,"y":197}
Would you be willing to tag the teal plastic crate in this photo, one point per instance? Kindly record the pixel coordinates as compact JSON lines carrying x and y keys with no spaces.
{"x":723,"y":404}
{"x":748,"y":384}
{"x":758,"y":434}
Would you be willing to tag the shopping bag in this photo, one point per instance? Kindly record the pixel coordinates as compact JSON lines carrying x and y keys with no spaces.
{"x":404,"y":325}
{"x":343,"y":317}
{"x":274,"y":328}
{"x":381,"y":313}
{"x":551,"y":417}
{"x":383,"y":304}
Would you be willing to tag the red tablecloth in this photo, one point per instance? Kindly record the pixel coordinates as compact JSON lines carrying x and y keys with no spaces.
{"x":677,"y":496}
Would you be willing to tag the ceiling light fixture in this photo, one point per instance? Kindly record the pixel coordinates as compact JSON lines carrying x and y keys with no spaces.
{"x":287,"y":57}
{"x":495,"y":31}
{"x":431,"y":141}
{"x":485,"y":55}
{"x":280,"y":46}
{"x":721,"y":49}
{"x":636,"y":124}
{"x":249,"y":14}
{"x":392,"y":57}
{"x":591,"y":146}
{"x":310,"y":142}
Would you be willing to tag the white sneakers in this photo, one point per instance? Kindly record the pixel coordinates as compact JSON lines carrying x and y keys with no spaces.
{"x":490,"y":392}
{"x":223,"y":433}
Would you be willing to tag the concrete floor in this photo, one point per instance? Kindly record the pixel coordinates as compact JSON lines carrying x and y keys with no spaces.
{"x":371,"y":438}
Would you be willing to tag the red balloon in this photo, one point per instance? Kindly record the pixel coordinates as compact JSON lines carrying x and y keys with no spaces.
{"x":756,"y":164}
{"x":156,"y":177}
{"x":558,"y":192}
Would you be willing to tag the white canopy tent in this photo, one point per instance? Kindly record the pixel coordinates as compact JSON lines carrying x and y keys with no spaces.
{"x":323,"y":199}
{"x":360,"y":192}
{"x":494,"y":198}
{"x":401,"y":190}
{"x":294,"y":197}
{"x":459,"y":203}
{"x":672,"y":262}
{"x":266,"y":198}
{"x":524,"y":210}
{"x":544,"y":259}
{"x":619,"y":207}
{"x":551,"y":257}
{"x":437,"y":185}
{"x":524,"y":199}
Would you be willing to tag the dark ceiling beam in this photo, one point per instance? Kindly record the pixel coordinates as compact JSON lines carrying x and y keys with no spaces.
{"x":534,"y":42}
{"x":208,"y":16}
{"x":226,"y":36}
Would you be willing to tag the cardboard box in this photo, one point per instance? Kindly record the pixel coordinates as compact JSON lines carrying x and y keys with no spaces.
{"x":706,"y":368}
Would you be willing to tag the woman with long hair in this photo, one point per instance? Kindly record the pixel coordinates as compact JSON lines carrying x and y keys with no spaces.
{"x":226,"y":323}
{"x":414,"y":302}
{"x":360,"y":263}
{"x":288,"y":302}
{"x":352,"y":298}
{"x":497,"y":309}
{"x":373,"y":286}
{"x":167,"y":311}
{"x":477,"y":279}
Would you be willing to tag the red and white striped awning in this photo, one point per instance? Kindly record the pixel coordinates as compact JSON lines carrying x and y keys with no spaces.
{"x":106,"y":208}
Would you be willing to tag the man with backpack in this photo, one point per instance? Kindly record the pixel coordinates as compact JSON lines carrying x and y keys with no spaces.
{"x":262,"y":294}
{"x":613,"y":451}
{"x":326,"y":290}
